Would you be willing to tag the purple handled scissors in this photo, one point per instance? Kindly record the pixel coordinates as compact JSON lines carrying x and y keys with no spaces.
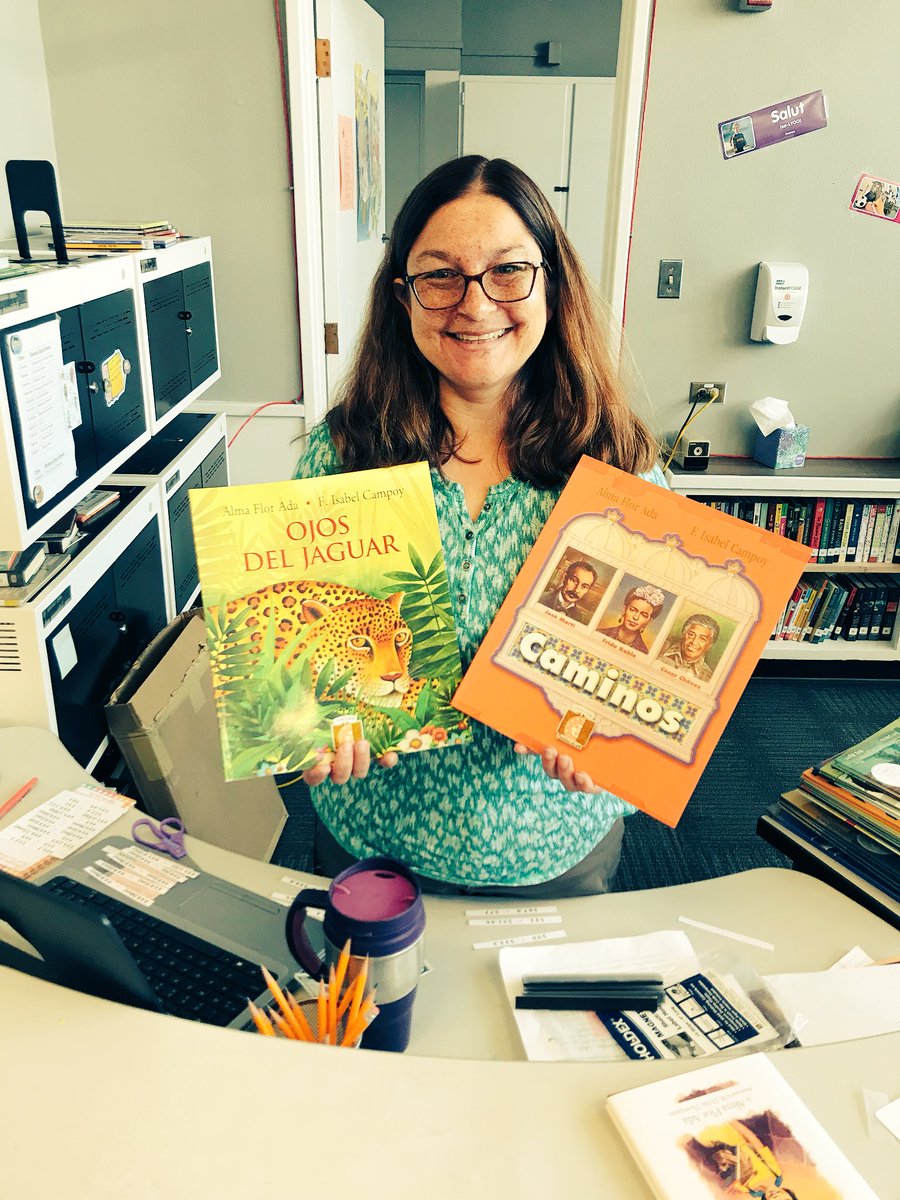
{"x":166,"y":835}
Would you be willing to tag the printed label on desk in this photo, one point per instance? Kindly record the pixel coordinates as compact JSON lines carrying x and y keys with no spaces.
{"x":139,"y":874}
{"x":524,"y":939}
{"x":557,"y":920}
{"x":525,"y":910}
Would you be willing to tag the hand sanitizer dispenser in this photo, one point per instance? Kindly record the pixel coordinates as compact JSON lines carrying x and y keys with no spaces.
{"x":781,"y":290}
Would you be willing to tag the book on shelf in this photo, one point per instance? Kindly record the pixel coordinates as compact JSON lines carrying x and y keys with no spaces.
{"x":637,"y":679}
{"x":835,"y":529}
{"x":328,"y":618}
{"x":63,"y":534}
{"x":15,"y":597}
{"x":24,"y":566}
{"x":736,"y":1128}
{"x":89,"y":507}
{"x":111,"y":226}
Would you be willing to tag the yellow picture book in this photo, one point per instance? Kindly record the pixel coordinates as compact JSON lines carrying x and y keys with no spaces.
{"x":328,"y":617}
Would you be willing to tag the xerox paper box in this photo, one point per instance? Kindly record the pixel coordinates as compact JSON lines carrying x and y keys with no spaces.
{"x":164,"y":720}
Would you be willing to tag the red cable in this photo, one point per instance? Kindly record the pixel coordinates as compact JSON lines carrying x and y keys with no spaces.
{"x":259,"y":409}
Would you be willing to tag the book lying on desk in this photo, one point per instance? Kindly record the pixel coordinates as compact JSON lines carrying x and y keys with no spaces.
{"x":733,"y":1129}
{"x":328,"y":617}
{"x":22,"y":566}
{"x":629,"y":634}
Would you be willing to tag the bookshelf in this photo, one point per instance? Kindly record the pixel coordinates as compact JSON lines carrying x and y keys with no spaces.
{"x":866,"y":481}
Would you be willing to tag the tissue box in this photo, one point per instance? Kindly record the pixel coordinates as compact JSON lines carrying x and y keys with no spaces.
{"x":783,"y":448}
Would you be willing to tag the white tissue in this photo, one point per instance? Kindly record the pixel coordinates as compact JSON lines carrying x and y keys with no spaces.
{"x":771,"y":413}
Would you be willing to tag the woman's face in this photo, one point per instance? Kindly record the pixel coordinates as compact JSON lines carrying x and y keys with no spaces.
{"x":637,"y":615}
{"x":478,"y":347}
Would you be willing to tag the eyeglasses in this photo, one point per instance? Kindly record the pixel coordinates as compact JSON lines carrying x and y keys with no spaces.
{"x":506,"y":283}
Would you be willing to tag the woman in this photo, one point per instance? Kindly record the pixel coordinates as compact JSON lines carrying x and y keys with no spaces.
{"x":482,"y":354}
{"x":641,"y":605}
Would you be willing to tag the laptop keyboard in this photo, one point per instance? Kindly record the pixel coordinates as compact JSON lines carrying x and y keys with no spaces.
{"x":192,"y":978}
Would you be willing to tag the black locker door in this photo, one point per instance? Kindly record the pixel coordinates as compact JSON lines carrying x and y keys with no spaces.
{"x":214,"y":468}
{"x":181,"y":534}
{"x":83,"y":436}
{"x":198,"y":301}
{"x":140,"y":594}
{"x":169,"y":362}
{"x":80,"y":695}
{"x":113,"y":372}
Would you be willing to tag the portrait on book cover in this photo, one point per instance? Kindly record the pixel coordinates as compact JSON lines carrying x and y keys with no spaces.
{"x":636,"y":612}
{"x":696,"y":641}
{"x":757,"y":1156}
{"x":577,"y":585}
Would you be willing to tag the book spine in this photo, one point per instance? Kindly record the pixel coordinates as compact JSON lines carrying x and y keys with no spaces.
{"x":818,"y":514}
{"x":842,"y":624}
{"x":884,"y":547}
{"x":865,"y":525}
{"x":837,"y":530}
{"x":845,"y":536}
{"x":825,"y":540}
{"x":891,"y":547}
{"x":874,"y":542}
{"x":816,"y":608}
{"x":855,"y":525}
{"x":839,"y":599}
{"x":866,"y":589}
{"x":879,"y":601}
{"x":892,"y":603}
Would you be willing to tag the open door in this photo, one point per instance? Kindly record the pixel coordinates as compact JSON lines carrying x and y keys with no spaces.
{"x":335,"y":51}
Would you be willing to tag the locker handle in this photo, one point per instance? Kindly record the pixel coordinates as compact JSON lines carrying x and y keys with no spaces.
{"x":185,"y":315}
{"x":86,"y":367}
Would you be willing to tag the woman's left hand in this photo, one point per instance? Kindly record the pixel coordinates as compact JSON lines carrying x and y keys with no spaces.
{"x":560,"y":766}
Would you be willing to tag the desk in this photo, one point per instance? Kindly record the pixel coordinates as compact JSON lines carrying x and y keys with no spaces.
{"x":495,"y":1129}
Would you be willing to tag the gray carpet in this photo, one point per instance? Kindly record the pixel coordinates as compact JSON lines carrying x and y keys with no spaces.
{"x":780,"y":727}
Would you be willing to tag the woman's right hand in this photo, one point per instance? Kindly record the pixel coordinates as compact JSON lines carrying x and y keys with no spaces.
{"x":351,"y":760}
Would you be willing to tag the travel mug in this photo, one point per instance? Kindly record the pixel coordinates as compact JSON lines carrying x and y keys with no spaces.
{"x":377,"y":905}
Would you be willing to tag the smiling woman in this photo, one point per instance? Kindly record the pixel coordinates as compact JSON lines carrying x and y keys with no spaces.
{"x":481,"y":354}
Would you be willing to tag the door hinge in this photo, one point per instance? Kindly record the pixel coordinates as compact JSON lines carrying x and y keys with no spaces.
{"x":331,"y":337}
{"x":323,"y":58}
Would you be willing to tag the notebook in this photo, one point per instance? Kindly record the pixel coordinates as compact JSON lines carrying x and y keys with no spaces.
{"x":204,"y":935}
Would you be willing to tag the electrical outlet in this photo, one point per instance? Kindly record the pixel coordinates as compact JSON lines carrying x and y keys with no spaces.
{"x":700,"y":393}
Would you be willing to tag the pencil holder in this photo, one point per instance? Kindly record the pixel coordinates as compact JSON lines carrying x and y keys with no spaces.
{"x":376,"y":906}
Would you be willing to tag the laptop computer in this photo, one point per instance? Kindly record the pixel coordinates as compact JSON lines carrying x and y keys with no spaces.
{"x":196,"y":952}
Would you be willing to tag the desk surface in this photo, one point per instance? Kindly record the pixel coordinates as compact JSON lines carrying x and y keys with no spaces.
{"x":494,"y":1128}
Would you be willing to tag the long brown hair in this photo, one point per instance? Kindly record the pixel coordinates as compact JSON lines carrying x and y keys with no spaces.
{"x":567,"y":399}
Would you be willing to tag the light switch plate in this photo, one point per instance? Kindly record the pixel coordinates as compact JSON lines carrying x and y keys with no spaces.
{"x":669,"y":286}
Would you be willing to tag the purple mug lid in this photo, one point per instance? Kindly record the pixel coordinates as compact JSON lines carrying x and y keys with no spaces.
{"x":373,"y":894}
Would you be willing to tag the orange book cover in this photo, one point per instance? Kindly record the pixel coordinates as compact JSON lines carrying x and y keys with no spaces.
{"x":671,"y":604}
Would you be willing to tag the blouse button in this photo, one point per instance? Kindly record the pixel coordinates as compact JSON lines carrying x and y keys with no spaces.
{"x":487,"y":506}
{"x":462,"y":597}
{"x":467,"y":564}
{"x":469,"y":535}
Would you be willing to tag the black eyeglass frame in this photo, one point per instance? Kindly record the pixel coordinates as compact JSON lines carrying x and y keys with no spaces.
{"x":410,"y":281}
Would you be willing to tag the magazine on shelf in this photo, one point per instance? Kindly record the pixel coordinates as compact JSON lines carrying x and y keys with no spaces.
{"x":328,"y":618}
{"x":629,"y":634}
{"x":736,"y":1128}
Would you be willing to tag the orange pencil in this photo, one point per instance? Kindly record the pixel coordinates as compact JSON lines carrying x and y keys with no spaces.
{"x":321,"y":1006}
{"x":282,"y":1026}
{"x":341,"y":971}
{"x":305,"y":1027}
{"x":358,"y":1027}
{"x":332,"y":1007}
{"x":359,"y":991}
{"x":272,"y":985}
{"x":261,"y":1020}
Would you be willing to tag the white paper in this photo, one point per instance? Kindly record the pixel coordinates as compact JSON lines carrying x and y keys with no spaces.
{"x":59,"y":826}
{"x":560,"y":1036}
{"x":889,"y":1116}
{"x":138,"y":873}
{"x":64,"y":648}
{"x":857,"y":957}
{"x":35,"y":362}
{"x":838,"y":1006}
{"x":521,"y":940}
{"x":770,"y":414}
{"x":70,"y":395}
{"x":519,"y":910}
{"x":555,"y":920}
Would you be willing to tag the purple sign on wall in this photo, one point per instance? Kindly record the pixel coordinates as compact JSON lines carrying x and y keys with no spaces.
{"x":766,"y":126}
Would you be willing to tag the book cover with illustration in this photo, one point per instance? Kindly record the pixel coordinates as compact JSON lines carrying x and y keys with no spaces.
{"x":734,"y":1129}
{"x":328,"y":617}
{"x":629,"y":634}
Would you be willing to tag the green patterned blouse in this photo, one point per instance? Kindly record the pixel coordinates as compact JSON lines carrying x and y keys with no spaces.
{"x":477,"y":813}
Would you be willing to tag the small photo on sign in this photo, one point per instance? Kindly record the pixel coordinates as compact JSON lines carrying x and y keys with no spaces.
{"x":577,"y":585}
{"x":877,"y":198}
{"x":737,"y":136}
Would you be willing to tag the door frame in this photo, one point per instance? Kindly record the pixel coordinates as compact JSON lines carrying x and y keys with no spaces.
{"x":631,"y":81}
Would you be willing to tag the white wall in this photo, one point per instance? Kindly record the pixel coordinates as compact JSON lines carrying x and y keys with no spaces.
{"x":26,"y":130}
{"x":789,"y":202}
